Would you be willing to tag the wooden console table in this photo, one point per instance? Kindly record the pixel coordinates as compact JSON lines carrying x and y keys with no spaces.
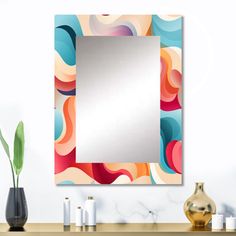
{"x":112,"y":229}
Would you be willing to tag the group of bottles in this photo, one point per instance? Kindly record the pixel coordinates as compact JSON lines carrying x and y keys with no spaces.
{"x":86,"y":216}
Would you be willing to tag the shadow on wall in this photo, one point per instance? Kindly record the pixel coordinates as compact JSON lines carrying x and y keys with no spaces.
{"x":227,"y":210}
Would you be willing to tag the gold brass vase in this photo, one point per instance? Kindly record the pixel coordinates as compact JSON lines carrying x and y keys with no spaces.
{"x":199,"y":207}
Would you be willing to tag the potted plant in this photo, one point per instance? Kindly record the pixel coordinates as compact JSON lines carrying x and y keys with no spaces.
{"x":16,"y":209}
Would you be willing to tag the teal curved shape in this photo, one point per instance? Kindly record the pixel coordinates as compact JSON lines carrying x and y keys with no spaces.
{"x":170,"y":32}
{"x":170,"y":130}
{"x":67,"y":182}
{"x":64,"y":46}
{"x":70,"y":20}
{"x":152,"y":179}
{"x":58,"y":125}
{"x":168,"y":25}
{"x":177,"y":116}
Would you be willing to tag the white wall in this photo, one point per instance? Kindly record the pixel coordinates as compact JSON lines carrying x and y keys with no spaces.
{"x":26,"y":92}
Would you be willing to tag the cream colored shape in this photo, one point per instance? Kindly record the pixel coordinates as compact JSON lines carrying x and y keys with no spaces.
{"x":64,"y":72}
{"x":108,"y":19}
{"x":122,"y":179}
{"x":75,"y":175}
{"x":155,"y":176}
{"x":142,"y":180}
{"x":161,"y":177}
{"x":84,"y":23}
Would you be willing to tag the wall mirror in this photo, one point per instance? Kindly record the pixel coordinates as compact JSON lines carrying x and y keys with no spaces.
{"x":118,"y":110}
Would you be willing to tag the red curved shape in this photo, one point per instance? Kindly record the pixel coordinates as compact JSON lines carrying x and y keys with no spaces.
{"x":64,"y":86}
{"x":102,"y":176}
{"x":64,"y":162}
{"x":170,"y":106}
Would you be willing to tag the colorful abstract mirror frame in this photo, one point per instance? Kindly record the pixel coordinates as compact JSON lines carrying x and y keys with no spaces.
{"x":169,"y":169}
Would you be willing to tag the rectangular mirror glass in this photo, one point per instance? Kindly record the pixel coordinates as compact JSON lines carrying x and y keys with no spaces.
{"x":117,"y":99}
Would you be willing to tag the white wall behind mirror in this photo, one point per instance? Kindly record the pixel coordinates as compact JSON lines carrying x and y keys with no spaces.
{"x":26,"y":87}
{"x":118,"y":99}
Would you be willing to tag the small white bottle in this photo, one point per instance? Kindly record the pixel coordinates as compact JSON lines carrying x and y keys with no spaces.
{"x":79,"y":217}
{"x":66,"y":209}
{"x":90,"y":212}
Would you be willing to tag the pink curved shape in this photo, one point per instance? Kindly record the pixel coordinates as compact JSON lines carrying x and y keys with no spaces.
{"x":174,"y":156}
{"x":177,"y":157}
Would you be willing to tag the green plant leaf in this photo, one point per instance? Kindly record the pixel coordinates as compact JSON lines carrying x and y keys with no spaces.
{"x":19,"y":143}
{"x":6,"y":148}
{"x":4,"y":144}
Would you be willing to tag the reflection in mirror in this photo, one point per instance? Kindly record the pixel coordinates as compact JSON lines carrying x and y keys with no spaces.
{"x":117,"y":99}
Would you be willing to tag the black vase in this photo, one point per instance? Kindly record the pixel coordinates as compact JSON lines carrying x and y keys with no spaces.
{"x":16,"y":210}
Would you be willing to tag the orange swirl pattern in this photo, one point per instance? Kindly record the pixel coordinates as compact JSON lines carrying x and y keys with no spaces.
{"x":169,"y":169}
